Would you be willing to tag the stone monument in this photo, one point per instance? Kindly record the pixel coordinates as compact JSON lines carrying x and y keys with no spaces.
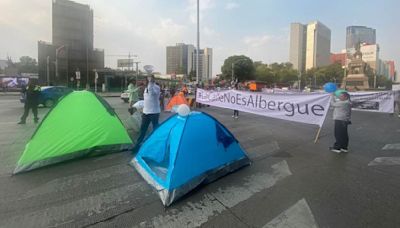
{"x":356,"y":78}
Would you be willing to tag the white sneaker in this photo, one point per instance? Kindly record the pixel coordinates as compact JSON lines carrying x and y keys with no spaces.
{"x":233,"y":116}
{"x":335,"y":150}
{"x":236,"y":117}
{"x":344,"y":150}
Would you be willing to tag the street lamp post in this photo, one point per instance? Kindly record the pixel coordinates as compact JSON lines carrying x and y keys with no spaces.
{"x":48,"y":70}
{"x":137,"y":71}
{"x":87,"y":68}
{"x":78,"y":78}
{"x":96,"y":77}
{"x":299,"y":84}
{"x":198,"y":43}
{"x":344,"y":76}
{"x":58,"y":50}
{"x":233,"y":71}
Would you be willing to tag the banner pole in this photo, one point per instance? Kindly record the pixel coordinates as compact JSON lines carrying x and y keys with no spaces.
{"x":317,"y":136}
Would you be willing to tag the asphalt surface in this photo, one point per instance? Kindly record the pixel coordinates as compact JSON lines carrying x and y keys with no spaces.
{"x":292,"y":182}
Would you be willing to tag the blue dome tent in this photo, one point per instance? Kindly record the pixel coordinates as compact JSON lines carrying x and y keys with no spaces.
{"x":185,"y":152}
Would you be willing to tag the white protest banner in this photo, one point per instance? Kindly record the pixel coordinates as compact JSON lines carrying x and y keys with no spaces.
{"x":373,"y":101}
{"x":304,"y":108}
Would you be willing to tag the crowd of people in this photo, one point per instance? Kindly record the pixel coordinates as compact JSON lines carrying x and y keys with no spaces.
{"x":153,"y":96}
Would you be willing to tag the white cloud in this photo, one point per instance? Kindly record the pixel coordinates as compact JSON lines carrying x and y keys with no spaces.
{"x":231,"y":5}
{"x":167,"y":32}
{"x":265,"y":48}
{"x":256,"y":41}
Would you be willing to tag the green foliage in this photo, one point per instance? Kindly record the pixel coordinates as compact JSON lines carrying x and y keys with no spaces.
{"x":192,"y":75}
{"x":27,"y":64}
{"x":317,"y":77}
{"x":382,"y":81}
{"x":276,"y":73}
{"x":242,"y":66}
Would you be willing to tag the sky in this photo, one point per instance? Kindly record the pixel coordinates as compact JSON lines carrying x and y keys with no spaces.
{"x":256,"y":28}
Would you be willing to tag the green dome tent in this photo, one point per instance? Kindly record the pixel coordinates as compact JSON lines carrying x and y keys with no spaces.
{"x":81,"y":124}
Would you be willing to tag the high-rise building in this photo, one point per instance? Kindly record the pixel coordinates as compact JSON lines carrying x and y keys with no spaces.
{"x":72,"y":45}
{"x":310,"y":45}
{"x":359,"y":34}
{"x":392,"y":70}
{"x":318,"y":47}
{"x":297,"y":52}
{"x":179,"y":58}
{"x":205,"y":64}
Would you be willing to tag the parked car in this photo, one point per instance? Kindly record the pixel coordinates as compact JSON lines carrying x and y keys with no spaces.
{"x":125,"y":96}
{"x":49,"y":95}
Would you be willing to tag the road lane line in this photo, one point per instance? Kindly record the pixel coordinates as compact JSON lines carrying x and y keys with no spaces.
{"x":395,"y":146}
{"x":194,"y":214}
{"x":385,"y":161}
{"x":299,"y":215}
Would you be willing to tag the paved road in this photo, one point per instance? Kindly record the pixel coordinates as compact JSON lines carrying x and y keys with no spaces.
{"x":291,"y":183}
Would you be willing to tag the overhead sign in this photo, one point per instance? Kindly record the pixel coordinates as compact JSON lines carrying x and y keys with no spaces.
{"x":125,"y":62}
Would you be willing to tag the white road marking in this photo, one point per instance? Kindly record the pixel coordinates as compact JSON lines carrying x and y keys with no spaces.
{"x":78,"y":180}
{"x":262,"y":150}
{"x":297,"y":216}
{"x":385,"y":161}
{"x":64,"y":213}
{"x":198,"y":213}
{"x":395,"y":146}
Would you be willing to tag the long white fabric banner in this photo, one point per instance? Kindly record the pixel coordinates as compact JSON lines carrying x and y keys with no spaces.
{"x":374,"y":101}
{"x":304,"y":108}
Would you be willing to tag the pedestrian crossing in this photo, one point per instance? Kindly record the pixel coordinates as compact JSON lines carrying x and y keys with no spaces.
{"x":84,"y":211}
{"x":299,"y":215}
{"x":387,"y":161}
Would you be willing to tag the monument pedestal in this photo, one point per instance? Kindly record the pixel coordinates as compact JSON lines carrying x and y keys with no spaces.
{"x":355,"y":81}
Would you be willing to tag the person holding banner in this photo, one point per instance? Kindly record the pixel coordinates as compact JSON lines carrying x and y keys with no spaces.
{"x":342,"y":117}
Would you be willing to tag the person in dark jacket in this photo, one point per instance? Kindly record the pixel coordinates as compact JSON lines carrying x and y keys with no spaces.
{"x":32,"y":93}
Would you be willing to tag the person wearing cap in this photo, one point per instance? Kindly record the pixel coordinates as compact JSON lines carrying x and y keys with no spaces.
{"x":151,"y":109}
{"x":342,"y":118}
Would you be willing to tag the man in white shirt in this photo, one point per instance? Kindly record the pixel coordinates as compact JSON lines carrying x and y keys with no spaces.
{"x":151,"y":110}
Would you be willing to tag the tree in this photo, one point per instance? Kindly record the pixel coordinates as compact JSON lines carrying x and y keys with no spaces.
{"x":192,"y":75}
{"x":242,"y":66}
{"x":264,"y":73}
{"x":27,"y":64}
{"x":321,"y":75}
{"x":274,"y":73}
{"x":382,"y":81}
